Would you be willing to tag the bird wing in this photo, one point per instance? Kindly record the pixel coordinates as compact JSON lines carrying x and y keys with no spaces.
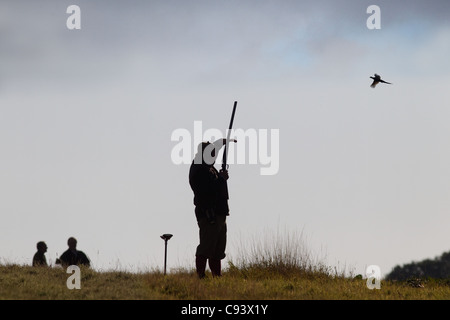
{"x":385,"y":82}
{"x":374,"y":83}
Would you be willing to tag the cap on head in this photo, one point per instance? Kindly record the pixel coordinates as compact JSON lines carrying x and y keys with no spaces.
{"x":202,"y":146}
{"x":206,"y":153}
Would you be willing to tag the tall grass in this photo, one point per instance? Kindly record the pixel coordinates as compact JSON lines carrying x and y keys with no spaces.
{"x":283,"y":253}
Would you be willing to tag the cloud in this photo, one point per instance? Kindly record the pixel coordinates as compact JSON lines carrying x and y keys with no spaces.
{"x":200,"y":40}
{"x":431,"y":57}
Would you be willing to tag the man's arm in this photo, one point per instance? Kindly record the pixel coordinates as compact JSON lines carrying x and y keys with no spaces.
{"x":84,"y":259}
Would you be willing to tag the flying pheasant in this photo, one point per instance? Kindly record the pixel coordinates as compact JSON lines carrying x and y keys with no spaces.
{"x":376,"y":80}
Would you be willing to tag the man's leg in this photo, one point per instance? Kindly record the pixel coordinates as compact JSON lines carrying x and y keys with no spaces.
{"x":216,"y":267}
{"x":200,"y":265}
{"x":208,"y":239}
{"x":212,"y":243}
{"x":215,"y":263}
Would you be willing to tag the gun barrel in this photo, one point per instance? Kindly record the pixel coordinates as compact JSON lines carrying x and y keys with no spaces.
{"x":225,"y":151}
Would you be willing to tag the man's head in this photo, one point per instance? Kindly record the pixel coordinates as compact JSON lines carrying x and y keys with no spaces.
{"x":72,"y":243}
{"x":41,"y":246}
{"x":207,"y":152}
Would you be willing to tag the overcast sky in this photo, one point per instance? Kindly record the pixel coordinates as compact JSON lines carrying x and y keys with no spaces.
{"x":86,"y":119}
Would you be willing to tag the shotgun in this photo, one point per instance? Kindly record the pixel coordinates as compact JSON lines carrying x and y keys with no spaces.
{"x":225,"y":153}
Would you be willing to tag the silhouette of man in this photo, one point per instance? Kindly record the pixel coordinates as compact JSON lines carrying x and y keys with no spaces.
{"x":211,"y":207}
{"x":72,"y":256}
{"x":39,"y":257}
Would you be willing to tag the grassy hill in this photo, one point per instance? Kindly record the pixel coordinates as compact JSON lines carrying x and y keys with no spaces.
{"x":277,"y":267}
{"x":250,"y":283}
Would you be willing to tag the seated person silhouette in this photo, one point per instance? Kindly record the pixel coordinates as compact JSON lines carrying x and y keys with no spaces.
{"x":39,"y":257}
{"x":72,"y":256}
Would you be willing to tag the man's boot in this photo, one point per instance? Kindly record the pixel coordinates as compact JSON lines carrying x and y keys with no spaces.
{"x":200,"y":265}
{"x":215,"y":266}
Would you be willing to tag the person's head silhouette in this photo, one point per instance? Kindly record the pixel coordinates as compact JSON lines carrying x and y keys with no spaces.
{"x":41,"y":246}
{"x":72,"y":243}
